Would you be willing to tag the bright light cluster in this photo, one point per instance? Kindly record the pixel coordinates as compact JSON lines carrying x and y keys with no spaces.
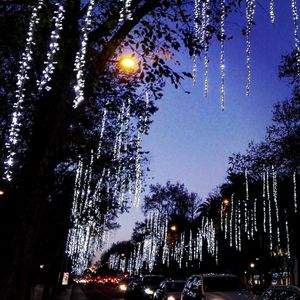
{"x":22,"y":77}
{"x":81,"y":57}
{"x":88,"y":193}
{"x":49,"y":64}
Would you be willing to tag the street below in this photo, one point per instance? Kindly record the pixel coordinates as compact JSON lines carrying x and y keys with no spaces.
{"x":95,"y":292}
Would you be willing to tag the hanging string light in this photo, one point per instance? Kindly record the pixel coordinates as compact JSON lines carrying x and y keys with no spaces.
{"x":231,"y":221}
{"x":264,"y":203}
{"x":272,"y":13}
{"x":287,"y":235}
{"x":54,"y":46}
{"x":274,"y":173}
{"x":125,"y":11}
{"x":246,"y":212}
{"x":222,"y":58}
{"x":22,"y":77}
{"x":295,"y":192}
{"x":197,"y":12}
{"x":255,"y":214}
{"x":81,"y":57}
{"x":103,"y":122}
{"x":205,"y":36}
{"x":250,"y":9}
{"x":296,"y":31}
{"x":269,"y":212}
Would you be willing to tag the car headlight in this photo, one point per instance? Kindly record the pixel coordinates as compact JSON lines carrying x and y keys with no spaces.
{"x":123,"y":287}
{"x":171,"y":298}
{"x":149,"y":291}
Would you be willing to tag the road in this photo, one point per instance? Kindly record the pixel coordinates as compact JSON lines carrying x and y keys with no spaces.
{"x":98,"y":292}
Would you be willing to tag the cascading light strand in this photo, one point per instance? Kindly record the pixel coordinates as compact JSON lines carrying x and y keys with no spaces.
{"x":222,"y":57}
{"x":296,"y":32}
{"x":22,"y":77}
{"x":274,"y":173}
{"x":269,"y":212}
{"x":206,"y":20}
{"x":272,"y":13}
{"x":81,"y":57}
{"x":197,"y":12}
{"x":49,"y":65}
{"x":250,"y":9}
{"x":295,"y":191}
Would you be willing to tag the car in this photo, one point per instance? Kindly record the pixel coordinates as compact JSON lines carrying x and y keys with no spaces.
{"x":169,"y":290}
{"x":144,"y":288}
{"x":281,"y":292}
{"x":123,"y":285}
{"x":215,"y":287}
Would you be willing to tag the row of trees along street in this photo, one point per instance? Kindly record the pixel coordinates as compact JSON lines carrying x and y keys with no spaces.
{"x":254,"y":213}
{"x":46,"y":136}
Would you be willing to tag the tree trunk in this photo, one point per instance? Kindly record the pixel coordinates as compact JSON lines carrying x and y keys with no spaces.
{"x":22,"y":209}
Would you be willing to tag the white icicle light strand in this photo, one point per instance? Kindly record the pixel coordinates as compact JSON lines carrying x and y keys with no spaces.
{"x":222,"y":57}
{"x":272,"y":13}
{"x":49,"y":64}
{"x":81,"y":57}
{"x":22,"y":77}
{"x":250,"y":9}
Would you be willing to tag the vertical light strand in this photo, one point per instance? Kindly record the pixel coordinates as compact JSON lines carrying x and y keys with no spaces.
{"x":295,"y":191}
{"x":269,"y":212}
{"x":255,"y":215}
{"x":103,"y":122}
{"x":274,"y":173}
{"x":222,"y":57}
{"x":49,"y":65}
{"x":272,"y":13}
{"x":246,"y":213}
{"x":22,"y":77}
{"x":250,"y":8}
{"x":239,"y":226}
{"x":287,"y":235}
{"x":296,"y":32}
{"x":231,"y":221}
{"x":81,"y":57}
{"x":264,"y":203}
{"x":196,"y":36}
{"x":138,"y":184}
{"x":206,"y":21}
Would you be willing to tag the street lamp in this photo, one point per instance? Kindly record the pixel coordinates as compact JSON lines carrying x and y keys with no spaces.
{"x":173,"y":228}
{"x":226,"y":202}
{"x":127,"y":63}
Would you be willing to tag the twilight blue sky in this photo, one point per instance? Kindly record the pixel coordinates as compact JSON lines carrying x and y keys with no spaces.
{"x":191,"y":139}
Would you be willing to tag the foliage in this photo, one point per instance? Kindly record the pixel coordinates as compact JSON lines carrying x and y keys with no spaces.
{"x":282,"y":139}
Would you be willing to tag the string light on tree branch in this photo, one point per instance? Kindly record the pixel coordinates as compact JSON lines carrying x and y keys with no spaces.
{"x":53,"y":49}
{"x":81,"y":57}
{"x":22,"y":77}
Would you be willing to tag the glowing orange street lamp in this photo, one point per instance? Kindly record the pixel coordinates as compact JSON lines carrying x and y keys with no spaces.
{"x":173,"y":228}
{"x":226,"y":202}
{"x":1,"y":192}
{"x":127,"y":63}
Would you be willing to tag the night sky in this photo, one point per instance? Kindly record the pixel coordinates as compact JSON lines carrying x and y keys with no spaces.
{"x":191,"y":138}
